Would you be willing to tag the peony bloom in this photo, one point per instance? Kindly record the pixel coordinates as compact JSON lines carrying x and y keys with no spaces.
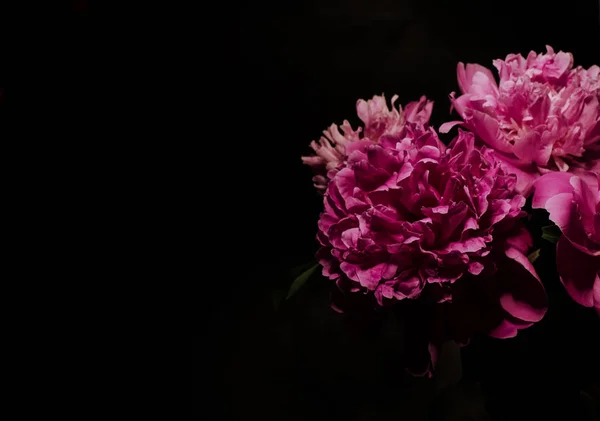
{"x":378,"y":121}
{"x":409,"y":221}
{"x":542,"y":116}
{"x":573,"y":202}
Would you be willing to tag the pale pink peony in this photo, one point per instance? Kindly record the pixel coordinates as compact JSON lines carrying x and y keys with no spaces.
{"x":573,"y":202}
{"x":378,"y":120}
{"x":542,"y":116}
{"x":407,"y":220}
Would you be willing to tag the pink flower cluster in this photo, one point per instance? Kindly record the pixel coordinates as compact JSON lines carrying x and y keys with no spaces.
{"x":410,"y":222}
{"x":379,"y":120}
{"x":543,"y":115}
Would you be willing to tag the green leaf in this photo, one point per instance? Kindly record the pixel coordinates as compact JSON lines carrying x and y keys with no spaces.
{"x":534,"y":255}
{"x":300,"y":269}
{"x":300,"y":281}
{"x":551,"y":233}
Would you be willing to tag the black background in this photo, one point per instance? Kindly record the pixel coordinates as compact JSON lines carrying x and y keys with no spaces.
{"x":284,"y":72}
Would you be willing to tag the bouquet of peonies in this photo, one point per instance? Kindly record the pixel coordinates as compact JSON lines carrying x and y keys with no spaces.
{"x":441,"y":230}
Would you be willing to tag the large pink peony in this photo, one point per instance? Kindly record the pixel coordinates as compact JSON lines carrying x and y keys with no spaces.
{"x":378,"y":120}
{"x":573,"y":202}
{"x":407,"y":220}
{"x":542,"y":116}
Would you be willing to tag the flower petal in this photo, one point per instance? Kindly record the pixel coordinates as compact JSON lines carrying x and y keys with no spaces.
{"x":549,"y":185}
{"x":446,"y":127}
{"x":474,"y":73}
{"x":524,"y":296}
{"x":578,"y":272}
{"x":507,"y":329}
{"x":488,"y":129}
{"x":526,"y":174}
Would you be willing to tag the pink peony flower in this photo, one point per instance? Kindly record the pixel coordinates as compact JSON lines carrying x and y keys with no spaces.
{"x":378,"y":120}
{"x":542,"y":116}
{"x":573,"y":202}
{"x":407,"y":220}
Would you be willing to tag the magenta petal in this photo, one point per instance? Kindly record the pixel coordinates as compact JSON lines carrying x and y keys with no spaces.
{"x":526,"y":175}
{"x":404,"y":172}
{"x":461,"y":104}
{"x":409,"y":286}
{"x":585,"y":193}
{"x":358,"y":145}
{"x":368,"y":177}
{"x":521,"y":240}
{"x":345,"y":182}
{"x":507,"y":329}
{"x":382,"y":158}
{"x":368,"y":277}
{"x":419,"y":112}
{"x":504,"y":331}
{"x":562,"y":210}
{"x":524,"y":297}
{"x":475,"y":268}
{"x":446,"y":127}
{"x":470,"y":245}
{"x":429,"y":152}
{"x":549,"y":185}
{"x":464,"y":82}
{"x":391,"y":183}
{"x":350,"y":237}
{"x":488,"y":129}
{"x":474,"y":73}
{"x":534,"y":147}
{"x":578,"y":272}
